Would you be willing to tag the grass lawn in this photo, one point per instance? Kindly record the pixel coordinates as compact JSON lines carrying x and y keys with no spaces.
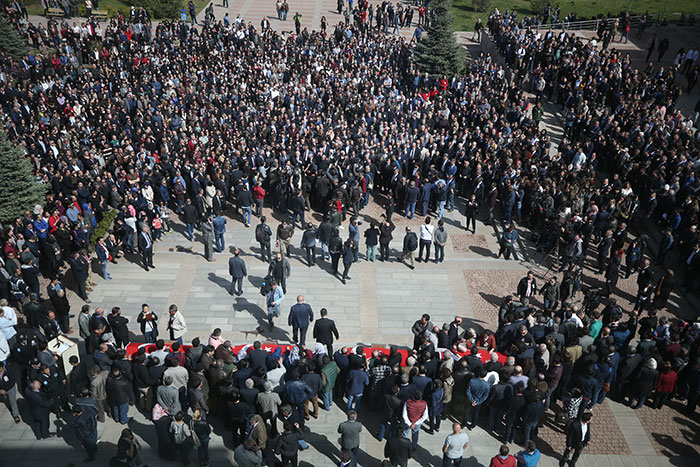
{"x":465,"y":15}
{"x":34,"y":6}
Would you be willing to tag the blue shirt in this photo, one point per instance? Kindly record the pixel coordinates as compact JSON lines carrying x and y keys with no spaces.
{"x":478,"y":390}
{"x":357,"y":380}
{"x":528,"y":459}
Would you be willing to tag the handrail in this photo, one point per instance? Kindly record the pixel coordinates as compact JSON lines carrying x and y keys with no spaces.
{"x":589,"y":24}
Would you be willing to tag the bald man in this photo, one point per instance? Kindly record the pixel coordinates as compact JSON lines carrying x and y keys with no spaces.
{"x":300,"y":316}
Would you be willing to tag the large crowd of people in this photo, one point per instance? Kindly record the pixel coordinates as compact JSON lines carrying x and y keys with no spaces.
{"x":139,"y":122}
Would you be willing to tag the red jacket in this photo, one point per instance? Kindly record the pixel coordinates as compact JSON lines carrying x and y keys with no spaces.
{"x":667,"y":381}
{"x":499,"y":461}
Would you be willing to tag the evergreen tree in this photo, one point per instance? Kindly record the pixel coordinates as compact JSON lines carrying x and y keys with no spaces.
{"x":11,"y":43}
{"x":19,"y":189}
{"x":439,"y":53}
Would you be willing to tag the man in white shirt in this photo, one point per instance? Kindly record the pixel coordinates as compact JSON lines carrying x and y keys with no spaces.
{"x":8,"y":321}
{"x":426,"y":238}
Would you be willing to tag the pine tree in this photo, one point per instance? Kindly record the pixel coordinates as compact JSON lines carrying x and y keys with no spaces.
{"x":11,"y":43}
{"x":19,"y":189}
{"x":439,"y":53}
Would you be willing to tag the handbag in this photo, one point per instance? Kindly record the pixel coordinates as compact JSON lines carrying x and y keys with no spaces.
{"x":195,"y":439}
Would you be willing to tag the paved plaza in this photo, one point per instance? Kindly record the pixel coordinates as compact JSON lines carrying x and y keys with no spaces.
{"x":377,"y":306}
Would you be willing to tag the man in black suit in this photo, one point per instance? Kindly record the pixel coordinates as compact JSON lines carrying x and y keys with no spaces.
{"x":146,"y":247}
{"x":645,"y":275}
{"x":324,"y":330}
{"x":257,"y":356}
{"x":120,"y":331}
{"x":578,"y":435}
{"x":40,"y":406}
{"x":604,"y":251}
{"x":237,"y":269}
{"x":80,"y":270}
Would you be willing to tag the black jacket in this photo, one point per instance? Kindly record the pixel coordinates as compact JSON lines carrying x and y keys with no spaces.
{"x":120,"y":329}
{"x":39,"y":403}
{"x":574,"y":434}
{"x":398,"y":449}
{"x":119,"y":391}
{"x":324,"y":330}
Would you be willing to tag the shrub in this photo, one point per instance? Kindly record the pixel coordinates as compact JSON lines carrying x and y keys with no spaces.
{"x":103,"y":226}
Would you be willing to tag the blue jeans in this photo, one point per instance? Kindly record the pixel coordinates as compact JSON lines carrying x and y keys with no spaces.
{"x":372,"y":252}
{"x":411,"y":208}
{"x":528,"y":429}
{"x":439,"y":253}
{"x":150,"y":336}
{"x":190,"y":231}
{"x":248,"y":213}
{"x":203,"y":449}
{"x":220,"y":244}
{"x":327,"y":400}
{"x":356,"y":399}
{"x":386,"y":429}
{"x":129,"y":241}
{"x":179,"y":204}
{"x":120,"y":413}
{"x":324,"y":250}
{"x":441,"y":209}
{"x":104,"y":270}
{"x":414,"y":432}
{"x":640,"y":403}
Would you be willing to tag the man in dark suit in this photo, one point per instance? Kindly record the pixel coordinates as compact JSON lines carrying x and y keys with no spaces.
{"x":40,"y":406}
{"x":578,"y":435}
{"x":398,"y":449}
{"x":300,"y":316}
{"x":604,"y":251}
{"x":237,"y":269}
{"x":146,"y":247}
{"x":80,"y":270}
{"x":257,"y":356}
{"x":120,"y":330}
{"x":325,"y":330}
{"x":645,"y":275}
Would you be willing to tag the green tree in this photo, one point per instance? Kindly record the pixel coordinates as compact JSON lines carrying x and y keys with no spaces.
{"x":438,"y":53}
{"x":11,"y":43}
{"x":481,"y":5}
{"x":19,"y":188}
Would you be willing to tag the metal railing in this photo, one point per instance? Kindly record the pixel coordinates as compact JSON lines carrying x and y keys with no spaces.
{"x":590,"y":24}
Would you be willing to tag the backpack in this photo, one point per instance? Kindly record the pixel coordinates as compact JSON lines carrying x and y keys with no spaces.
{"x":265,"y":287}
{"x":259,"y":233}
{"x":179,"y":435}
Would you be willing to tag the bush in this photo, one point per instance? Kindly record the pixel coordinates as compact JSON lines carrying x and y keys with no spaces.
{"x":481,"y":5}
{"x":103,"y":226}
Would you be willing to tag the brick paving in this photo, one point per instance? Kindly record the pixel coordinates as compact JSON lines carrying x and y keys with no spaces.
{"x":671,"y":431}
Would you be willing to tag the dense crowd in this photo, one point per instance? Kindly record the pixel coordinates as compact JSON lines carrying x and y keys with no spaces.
{"x":138,"y":119}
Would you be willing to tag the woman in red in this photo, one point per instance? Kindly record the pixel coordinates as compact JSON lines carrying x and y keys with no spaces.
{"x":665,"y":386}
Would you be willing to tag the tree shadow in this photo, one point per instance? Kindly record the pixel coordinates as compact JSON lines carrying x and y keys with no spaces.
{"x":482,"y":251}
{"x":276,"y":334}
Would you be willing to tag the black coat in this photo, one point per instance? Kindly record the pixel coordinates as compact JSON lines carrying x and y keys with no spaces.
{"x":190,"y":214}
{"x":398,"y":449}
{"x":574,"y":434}
{"x":120,"y":330}
{"x":79,"y":267}
{"x":39,"y":403}
{"x":325,"y":330}
{"x":119,"y":391}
